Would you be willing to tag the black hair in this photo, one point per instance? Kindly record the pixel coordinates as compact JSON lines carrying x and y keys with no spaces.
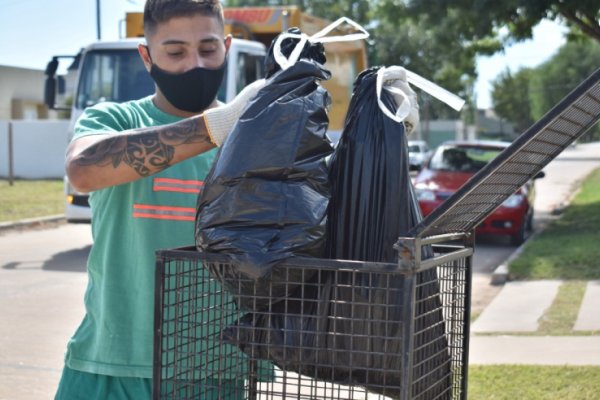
{"x":159,"y":11}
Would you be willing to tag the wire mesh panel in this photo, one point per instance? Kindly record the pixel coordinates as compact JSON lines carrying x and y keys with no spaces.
{"x":518,"y":163}
{"x":348,"y":330}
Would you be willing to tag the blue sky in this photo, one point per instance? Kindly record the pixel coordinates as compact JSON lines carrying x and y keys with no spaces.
{"x":33,"y":31}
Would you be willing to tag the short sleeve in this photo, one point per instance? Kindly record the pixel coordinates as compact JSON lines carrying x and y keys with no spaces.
{"x":102,"y":118}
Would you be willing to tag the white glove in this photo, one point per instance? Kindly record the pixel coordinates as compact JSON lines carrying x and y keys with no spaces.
{"x":394,"y":80}
{"x":220,"y":120}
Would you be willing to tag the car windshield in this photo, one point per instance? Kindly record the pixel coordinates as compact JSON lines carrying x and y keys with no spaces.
{"x":462,"y":158}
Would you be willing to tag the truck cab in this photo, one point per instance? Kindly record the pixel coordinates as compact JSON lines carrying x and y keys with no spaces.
{"x":114,"y":71}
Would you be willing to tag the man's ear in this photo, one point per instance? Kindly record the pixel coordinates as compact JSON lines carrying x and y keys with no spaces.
{"x":145,"y":54}
{"x":227,"y":42}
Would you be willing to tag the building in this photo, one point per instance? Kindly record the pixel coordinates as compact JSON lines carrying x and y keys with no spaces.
{"x":490,"y":126}
{"x":487,"y":127}
{"x":32,"y":138}
{"x":22,"y":93}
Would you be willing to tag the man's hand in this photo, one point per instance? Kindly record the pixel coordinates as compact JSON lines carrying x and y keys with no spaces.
{"x":220,"y":120}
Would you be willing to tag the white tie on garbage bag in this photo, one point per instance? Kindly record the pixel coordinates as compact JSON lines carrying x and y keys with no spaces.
{"x":396,"y":79}
{"x":319,"y":37}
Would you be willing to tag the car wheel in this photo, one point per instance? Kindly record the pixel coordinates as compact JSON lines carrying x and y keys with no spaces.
{"x":519,"y":237}
{"x":530,"y":224}
{"x":524,"y":231}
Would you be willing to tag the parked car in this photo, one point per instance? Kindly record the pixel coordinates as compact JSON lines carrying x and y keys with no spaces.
{"x":418,"y":153}
{"x":453,"y":164}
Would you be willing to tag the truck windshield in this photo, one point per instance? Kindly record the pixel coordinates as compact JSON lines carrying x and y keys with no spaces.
{"x":112,"y":75}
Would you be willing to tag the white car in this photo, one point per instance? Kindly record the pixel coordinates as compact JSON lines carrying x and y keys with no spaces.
{"x":418,"y":154}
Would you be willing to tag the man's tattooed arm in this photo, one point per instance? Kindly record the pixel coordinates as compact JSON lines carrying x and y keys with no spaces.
{"x":112,"y":159}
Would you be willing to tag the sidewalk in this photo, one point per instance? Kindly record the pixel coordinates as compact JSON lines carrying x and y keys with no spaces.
{"x":535,"y":350}
{"x":515,"y":313}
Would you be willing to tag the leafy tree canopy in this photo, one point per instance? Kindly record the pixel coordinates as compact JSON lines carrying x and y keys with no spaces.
{"x":526,"y":95}
{"x":554,"y":79}
{"x":485,"y":17}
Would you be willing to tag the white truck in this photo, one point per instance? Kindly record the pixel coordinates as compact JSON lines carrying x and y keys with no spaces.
{"x":113,"y":71}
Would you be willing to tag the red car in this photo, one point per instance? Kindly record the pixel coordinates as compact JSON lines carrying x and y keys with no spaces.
{"x":454,"y":163}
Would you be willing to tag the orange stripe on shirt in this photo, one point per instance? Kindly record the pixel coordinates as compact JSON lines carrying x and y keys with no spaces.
{"x":177,"y":185}
{"x":175,"y":189}
{"x":179,"y":181}
{"x":164,"y":212}
{"x":167,"y":217}
{"x":163,"y":208}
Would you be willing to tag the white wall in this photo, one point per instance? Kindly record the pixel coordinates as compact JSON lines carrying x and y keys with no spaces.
{"x":38,"y":148}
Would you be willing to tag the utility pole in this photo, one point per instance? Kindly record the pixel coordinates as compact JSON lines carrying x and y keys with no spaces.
{"x":98,"y":35}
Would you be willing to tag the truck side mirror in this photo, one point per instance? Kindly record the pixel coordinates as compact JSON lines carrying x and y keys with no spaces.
{"x":50,"y":93}
{"x":50,"y":84}
{"x":52,"y":67}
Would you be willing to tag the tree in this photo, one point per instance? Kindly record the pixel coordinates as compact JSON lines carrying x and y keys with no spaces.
{"x":554,"y":79}
{"x":431,"y":48}
{"x":510,"y":96}
{"x":484,"y":18}
{"x":525,"y":96}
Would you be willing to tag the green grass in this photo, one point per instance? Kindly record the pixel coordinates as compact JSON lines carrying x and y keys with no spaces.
{"x":30,"y":199}
{"x":560,"y":318}
{"x":568,"y":248}
{"x":512,"y":382}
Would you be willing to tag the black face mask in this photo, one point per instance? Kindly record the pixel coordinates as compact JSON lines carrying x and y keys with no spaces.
{"x":191,"y":91}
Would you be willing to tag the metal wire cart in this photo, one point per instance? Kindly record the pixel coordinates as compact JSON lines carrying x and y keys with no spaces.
{"x":352,"y":330}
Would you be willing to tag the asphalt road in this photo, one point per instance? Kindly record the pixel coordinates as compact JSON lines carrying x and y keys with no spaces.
{"x":42,"y":282}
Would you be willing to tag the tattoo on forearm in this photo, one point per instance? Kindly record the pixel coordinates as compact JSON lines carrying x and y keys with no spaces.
{"x":147,"y":151}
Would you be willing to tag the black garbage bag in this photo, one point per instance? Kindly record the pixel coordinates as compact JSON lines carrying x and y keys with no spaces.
{"x":266,"y":196}
{"x":347,"y":327}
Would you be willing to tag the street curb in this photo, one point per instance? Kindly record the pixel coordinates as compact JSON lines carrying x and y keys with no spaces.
{"x":32,"y":223}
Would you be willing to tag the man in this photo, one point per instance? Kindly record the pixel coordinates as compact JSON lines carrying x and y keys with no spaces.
{"x":144,"y":162}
